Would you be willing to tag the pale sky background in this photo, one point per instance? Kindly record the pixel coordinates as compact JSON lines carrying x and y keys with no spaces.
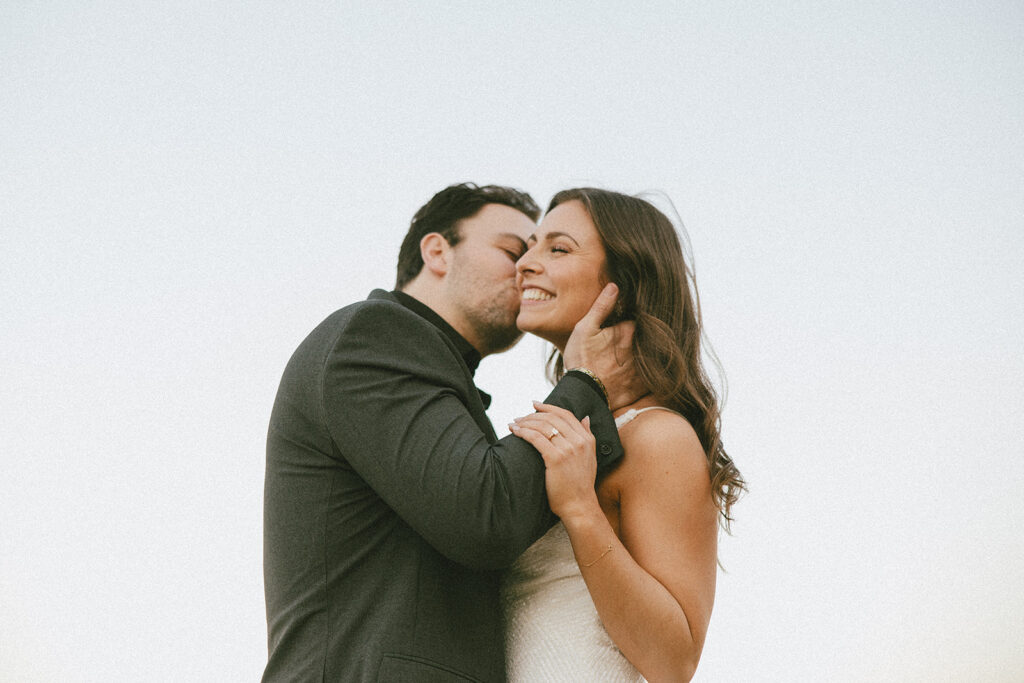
{"x":187,"y":188}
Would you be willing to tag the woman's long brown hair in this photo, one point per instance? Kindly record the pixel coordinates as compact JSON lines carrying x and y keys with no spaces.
{"x":658,"y":292}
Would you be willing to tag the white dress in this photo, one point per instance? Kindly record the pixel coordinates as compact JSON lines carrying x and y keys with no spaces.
{"x":552,"y":630}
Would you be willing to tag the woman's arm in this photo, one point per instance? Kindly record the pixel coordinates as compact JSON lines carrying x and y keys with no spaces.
{"x":654,"y":588}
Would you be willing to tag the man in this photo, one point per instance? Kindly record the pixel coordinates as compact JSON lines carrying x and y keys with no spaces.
{"x":389,"y":502}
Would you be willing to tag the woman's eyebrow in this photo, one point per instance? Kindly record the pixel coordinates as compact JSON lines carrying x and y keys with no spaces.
{"x":554,"y":235}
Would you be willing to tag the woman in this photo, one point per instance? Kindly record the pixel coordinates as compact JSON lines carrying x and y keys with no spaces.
{"x":623,"y":586}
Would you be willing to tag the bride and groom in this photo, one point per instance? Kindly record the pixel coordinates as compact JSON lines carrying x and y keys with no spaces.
{"x":403,"y":541}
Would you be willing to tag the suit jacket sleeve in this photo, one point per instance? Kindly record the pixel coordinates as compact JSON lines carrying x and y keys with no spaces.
{"x":396,"y":401}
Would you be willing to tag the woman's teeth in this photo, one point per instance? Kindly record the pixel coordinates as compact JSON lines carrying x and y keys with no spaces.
{"x":536,"y":295}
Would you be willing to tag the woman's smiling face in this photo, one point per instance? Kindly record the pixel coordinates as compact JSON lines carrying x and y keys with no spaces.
{"x":561,"y":273}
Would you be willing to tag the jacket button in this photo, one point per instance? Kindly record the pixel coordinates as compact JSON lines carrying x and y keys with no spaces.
{"x":605,"y":449}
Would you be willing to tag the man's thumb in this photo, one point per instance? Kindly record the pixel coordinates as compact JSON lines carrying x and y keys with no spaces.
{"x":602,"y":306}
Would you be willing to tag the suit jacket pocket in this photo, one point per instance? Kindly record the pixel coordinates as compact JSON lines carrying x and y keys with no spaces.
{"x":407,"y":668}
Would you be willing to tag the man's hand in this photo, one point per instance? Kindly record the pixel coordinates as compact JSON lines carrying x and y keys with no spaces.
{"x":606,"y":352}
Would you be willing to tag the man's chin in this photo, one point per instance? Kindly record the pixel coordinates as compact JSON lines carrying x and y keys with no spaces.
{"x":504,"y":342}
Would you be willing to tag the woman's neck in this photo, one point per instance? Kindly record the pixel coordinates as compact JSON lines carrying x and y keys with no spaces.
{"x":645,"y":401}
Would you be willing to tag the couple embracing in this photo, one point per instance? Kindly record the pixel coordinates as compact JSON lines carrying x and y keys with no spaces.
{"x":403,"y":541}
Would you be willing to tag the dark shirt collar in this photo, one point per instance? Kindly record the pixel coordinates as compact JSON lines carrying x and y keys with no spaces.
{"x":469,"y":354}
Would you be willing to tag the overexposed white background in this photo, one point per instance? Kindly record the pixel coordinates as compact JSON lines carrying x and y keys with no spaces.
{"x":187,"y":188}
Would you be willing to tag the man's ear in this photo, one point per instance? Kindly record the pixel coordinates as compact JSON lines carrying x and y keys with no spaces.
{"x":436,"y":252}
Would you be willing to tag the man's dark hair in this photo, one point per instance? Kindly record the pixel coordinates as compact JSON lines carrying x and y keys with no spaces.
{"x":443,"y":213}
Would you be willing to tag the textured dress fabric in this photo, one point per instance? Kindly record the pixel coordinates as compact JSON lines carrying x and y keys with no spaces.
{"x":552,"y":630}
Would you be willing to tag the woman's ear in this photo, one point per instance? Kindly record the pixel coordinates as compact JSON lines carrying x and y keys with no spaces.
{"x":435,"y":251}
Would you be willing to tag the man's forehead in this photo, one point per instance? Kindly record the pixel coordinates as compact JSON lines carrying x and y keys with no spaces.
{"x":497,"y":221}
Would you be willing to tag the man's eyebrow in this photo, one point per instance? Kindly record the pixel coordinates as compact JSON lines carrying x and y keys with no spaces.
{"x":513,"y":236}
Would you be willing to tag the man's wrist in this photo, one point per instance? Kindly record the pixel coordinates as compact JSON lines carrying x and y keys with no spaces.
{"x":588,"y":376}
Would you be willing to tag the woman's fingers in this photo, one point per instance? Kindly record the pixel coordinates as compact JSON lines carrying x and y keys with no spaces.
{"x":568,"y":450}
{"x":553,"y":421}
{"x":536,"y":439}
{"x":562,"y":438}
{"x":549,"y":426}
{"x":566,"y":416}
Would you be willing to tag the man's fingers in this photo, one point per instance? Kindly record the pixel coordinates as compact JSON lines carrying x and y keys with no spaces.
{"x":602,"y":307}
{"x":624,"y":334}
{"x":622,"y":340}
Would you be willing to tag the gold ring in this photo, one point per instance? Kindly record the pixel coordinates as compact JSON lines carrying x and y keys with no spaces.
{"x":554,"y":433}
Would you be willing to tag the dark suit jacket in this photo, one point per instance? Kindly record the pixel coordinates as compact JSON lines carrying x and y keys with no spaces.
{"x":389,"y":504}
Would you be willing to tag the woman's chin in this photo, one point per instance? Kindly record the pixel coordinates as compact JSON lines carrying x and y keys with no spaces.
{"x":526,"y":322}
{"x":535,"y":331}
{"x":556,"y":337}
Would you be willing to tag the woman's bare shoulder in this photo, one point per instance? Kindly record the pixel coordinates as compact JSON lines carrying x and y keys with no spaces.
{"x":659,"y":444}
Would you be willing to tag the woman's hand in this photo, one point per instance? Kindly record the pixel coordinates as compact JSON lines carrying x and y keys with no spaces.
{"x":569,"y":453}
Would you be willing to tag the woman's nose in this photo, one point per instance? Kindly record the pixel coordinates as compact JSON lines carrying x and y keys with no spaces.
{"x":527,"y":263}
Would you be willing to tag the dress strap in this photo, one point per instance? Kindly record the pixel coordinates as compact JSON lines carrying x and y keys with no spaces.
{"x":631,"y":414}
